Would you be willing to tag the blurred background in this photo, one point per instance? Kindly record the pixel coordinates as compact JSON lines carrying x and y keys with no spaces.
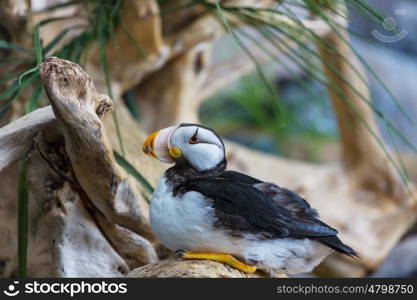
{"x":306,"y":128}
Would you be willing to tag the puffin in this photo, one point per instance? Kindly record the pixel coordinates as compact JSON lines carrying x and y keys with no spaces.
{"x":201,"y":210}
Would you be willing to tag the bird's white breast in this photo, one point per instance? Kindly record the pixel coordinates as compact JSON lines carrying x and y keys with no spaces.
{"x":185,"y":221}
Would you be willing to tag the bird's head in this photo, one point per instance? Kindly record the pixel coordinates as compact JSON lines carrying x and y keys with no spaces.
{"x":199,"y":146}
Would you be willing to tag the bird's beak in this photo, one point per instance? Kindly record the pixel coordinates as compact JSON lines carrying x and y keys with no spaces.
{"x":157,"y":144}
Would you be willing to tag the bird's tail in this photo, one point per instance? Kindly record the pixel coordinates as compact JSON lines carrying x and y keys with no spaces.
{"x":336,"y":244}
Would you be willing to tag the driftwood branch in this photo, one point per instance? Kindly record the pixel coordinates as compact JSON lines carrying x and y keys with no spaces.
{"x":99,"y":182}
{"x":77,"y":107}
{"x":72,"y":234}
{"x":16,"y":138}
{"x":140,"y":48}
{"x":175,"y":102}
{"x":69,"y":156}
{"x":190,"y":269}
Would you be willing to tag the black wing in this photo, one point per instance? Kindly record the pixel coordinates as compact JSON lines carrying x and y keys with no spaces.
{"x":243,"y":208}
{"x":300,"y":209}
{"x":239,"y":177}
{"x":297,"y":206}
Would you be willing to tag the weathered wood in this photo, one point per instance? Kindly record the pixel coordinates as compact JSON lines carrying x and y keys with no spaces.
{"x":190,"y":269}
{"x":138,"y":54}
{"x":176,"y":102}
{"x":77,"y":107}
{"x":79,"y":218}
{"x":16,"y":138}
{"x":70,"y":232}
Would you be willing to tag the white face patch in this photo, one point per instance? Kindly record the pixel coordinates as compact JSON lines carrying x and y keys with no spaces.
{"x":205,"y":153}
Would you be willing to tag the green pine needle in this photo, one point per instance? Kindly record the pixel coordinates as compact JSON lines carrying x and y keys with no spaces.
{"x":132,"y":171}
{"x":13,"y":47}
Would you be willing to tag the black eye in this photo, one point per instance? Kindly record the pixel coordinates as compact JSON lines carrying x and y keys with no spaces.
{"x":193,"y":139}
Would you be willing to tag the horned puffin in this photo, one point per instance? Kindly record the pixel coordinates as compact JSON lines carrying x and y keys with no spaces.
{"x":203,"y":211}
